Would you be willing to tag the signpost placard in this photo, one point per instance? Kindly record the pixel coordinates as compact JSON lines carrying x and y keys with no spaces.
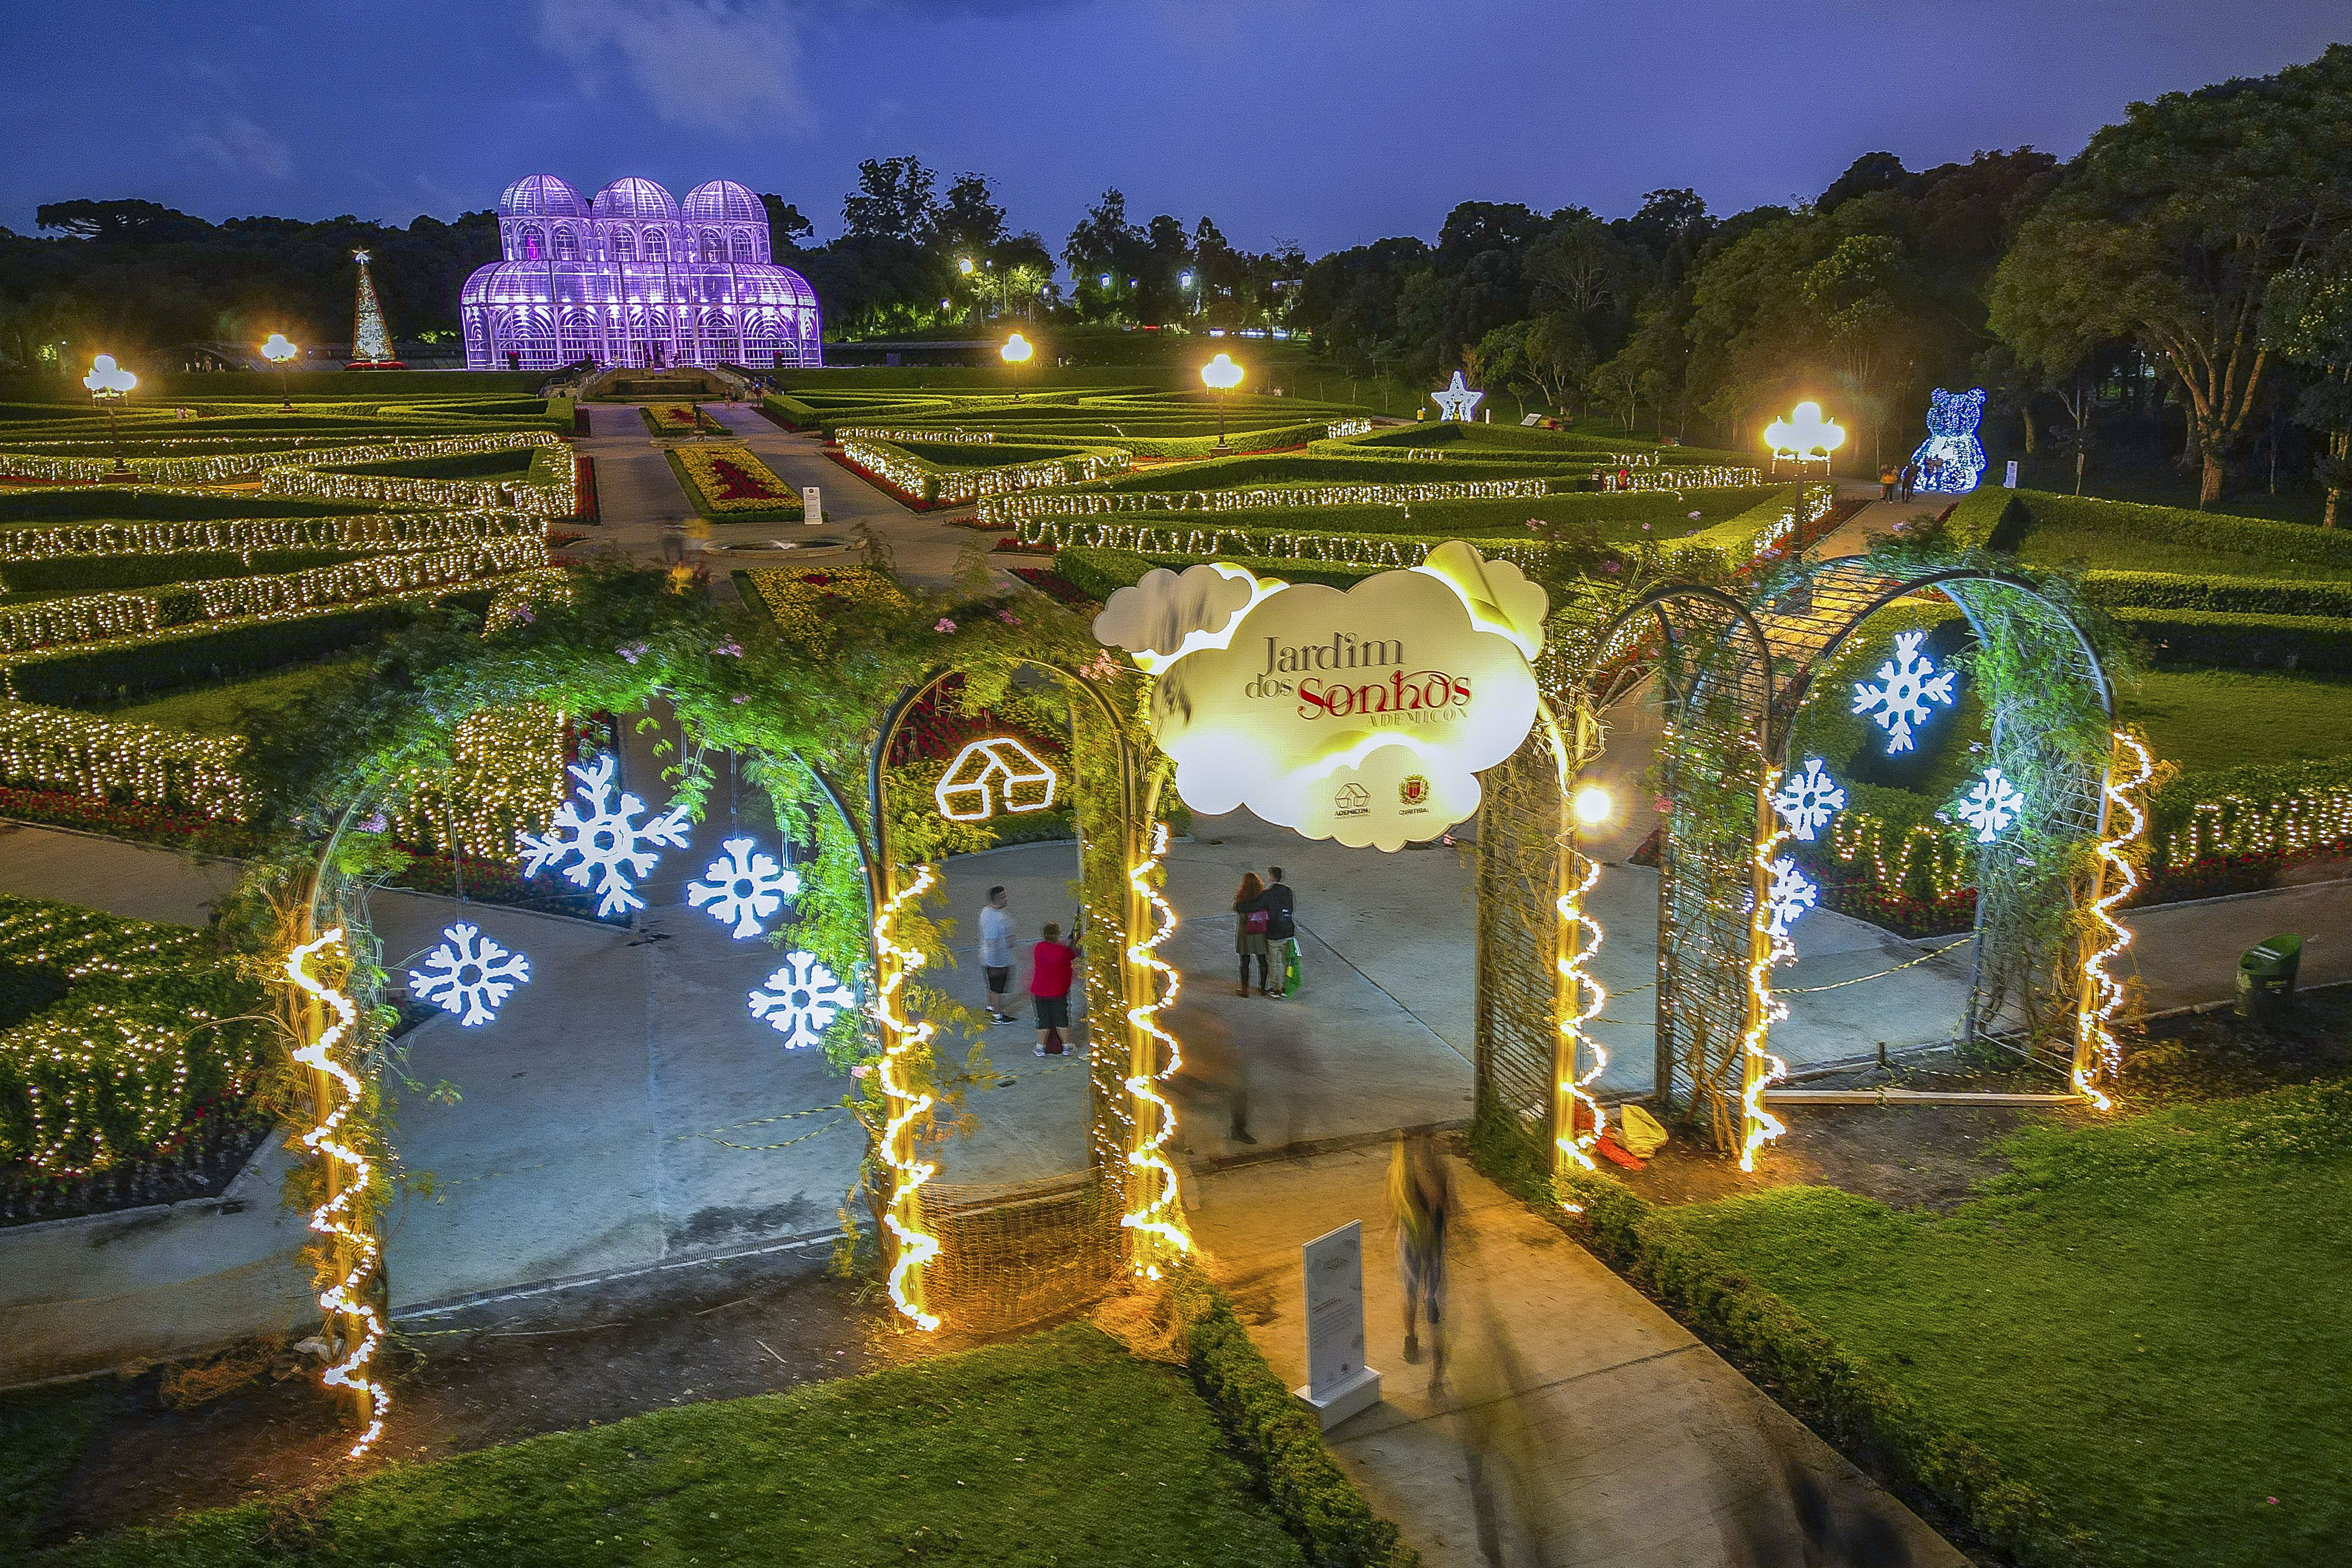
{"x":811,"y":503}
{"x":1339,"y":1384}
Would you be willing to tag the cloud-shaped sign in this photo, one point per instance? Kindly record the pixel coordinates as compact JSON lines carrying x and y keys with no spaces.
{"x":1363,"y":716}
{"x":1153,"y":619}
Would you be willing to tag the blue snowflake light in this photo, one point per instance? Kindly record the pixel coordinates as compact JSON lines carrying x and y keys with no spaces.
{"x":1791,"y":893}
{"x":1807,"y":800}
{"x":745,"y":887}
{"x":803,"y":1002}
{"x":1991,"y":805}
{"x":469,"y":975}
{"x":1909,"y":684}
{"x":611,"y":846}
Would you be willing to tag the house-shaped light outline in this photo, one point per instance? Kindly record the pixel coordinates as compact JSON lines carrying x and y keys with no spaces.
{"x":987,"y":771}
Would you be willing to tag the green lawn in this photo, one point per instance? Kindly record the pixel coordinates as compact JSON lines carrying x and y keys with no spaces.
{"x":2056,"y":545}
{"x":1059,"y":1449}
{"x":217,"y":710}
{"x":2206,"y":719}
{"x":2144,"y":1320}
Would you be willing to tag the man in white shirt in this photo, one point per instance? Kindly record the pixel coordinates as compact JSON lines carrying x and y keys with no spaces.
{"x":996,"y":952}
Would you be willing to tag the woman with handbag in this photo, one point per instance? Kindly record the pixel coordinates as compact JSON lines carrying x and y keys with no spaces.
{"x":1250,"y":921}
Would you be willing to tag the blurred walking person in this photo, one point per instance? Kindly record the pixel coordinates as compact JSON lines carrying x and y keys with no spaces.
{"x":1420,"y":1198}
{"x":1250,"y":920}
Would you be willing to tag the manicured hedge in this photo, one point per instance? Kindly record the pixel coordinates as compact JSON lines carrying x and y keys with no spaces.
{"x":1278,"y":1439}
{"x":2000,"y":519}
{"x":2242,"y":641}
{"x":1869,"y":1419}
{"x":86,"y":677}
{"x":1304,"y":470}
{"x":514,"y":461}
{"x":105,"y":573}
{"x":2227,"y":595}
{"x":1099,"y":573}
{"x":43,"y":504}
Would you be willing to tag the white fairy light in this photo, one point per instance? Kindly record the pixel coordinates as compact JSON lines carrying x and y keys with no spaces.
{"x":805,"y":1001}
{"x":1907,"y":685}
{"x":606,"y":839}
{"x":1991,"y":805}
{"x":469,"y":975}
{"x":1806,"y":800}
{"x":745,"y":887}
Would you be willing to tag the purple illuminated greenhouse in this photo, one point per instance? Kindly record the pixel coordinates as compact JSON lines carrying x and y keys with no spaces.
{"x":634,"y":279}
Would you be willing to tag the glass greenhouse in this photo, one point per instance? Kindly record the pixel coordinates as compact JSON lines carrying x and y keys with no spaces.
{"x":635,"y":277}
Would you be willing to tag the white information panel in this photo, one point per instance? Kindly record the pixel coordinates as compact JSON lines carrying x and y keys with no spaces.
{"x":1339,"y":1384}
{"x":811,"y":503}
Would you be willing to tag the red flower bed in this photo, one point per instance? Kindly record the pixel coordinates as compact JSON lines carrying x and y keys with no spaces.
{"x":738,"y":484}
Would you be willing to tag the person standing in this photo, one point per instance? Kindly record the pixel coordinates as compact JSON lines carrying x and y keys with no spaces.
{"x":1052,"y":966}
{"x":1904,"y":480}
{"x":1421,"y":1200}
{"x":997,"y":953}
{"x":1281,"y":929}
{"x":1250,"y":919}
{"x":1886,"y":479}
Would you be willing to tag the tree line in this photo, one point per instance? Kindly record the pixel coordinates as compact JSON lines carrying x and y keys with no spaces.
{"x":2187,"y":278}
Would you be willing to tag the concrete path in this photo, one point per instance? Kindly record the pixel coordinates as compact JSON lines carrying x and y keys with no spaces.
{"x":1574,"y":1422}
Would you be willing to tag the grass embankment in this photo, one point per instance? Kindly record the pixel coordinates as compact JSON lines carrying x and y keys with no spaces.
{"x":1059,"y":1449}
{"x":2142,"y":1319}
{"x":2206,"y":720}
{"x":230,"y":707}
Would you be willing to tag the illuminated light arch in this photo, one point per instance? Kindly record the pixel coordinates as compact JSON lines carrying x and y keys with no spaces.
{"x":1733,"y":672}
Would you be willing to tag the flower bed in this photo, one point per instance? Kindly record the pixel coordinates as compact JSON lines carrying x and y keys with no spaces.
{"x":729,"y":484}
{"x":799,"y":599}
{"x":677,"y":419}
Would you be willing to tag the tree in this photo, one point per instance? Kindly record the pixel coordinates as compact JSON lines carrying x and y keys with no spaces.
{"x":1105,"y":244}
{"x":1500,"y":358}
{"x":1559,"y":357}
{"x":786,"y":227}
{"x":2307,"y":318}
{"x":968,"y":224}
{"x":1858,"y":292}
{"x":893,"y":201}
{"x":2170,"y":227}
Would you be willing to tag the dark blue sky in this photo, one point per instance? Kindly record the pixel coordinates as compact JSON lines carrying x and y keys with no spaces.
{"x":1327,"y":124}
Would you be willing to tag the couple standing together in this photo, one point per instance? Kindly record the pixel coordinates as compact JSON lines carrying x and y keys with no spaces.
{"x":1263,"y":926}
{"x":1053,"y":966}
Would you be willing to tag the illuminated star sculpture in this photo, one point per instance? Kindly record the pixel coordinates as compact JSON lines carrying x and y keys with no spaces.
{"x":1456,"y":401}
{"x":469,"y":975}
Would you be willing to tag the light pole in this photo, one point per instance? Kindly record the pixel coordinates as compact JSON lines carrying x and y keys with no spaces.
{"x":1804,"y":435}
{"x":1016,"y":353}
{"x":1221,"y":375}
{"x":106,"y":382}
{"x":277,"y":351}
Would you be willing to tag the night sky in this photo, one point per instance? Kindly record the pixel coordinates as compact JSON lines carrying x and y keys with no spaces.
{"x":1324,"y":123}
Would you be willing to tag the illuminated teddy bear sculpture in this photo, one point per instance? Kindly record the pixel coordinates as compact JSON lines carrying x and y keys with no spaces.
{"x":1951,"y":460}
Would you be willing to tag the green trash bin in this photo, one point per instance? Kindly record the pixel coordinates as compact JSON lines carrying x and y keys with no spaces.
{"x":2266,"y":975}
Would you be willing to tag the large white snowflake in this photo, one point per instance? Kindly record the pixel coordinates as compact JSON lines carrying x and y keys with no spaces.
{"x":1907,"y":684}
{"x":469,"y":975}
{"x":606,"y":839}
{"x":1791,"y":894}
{"x":805,"y":998}
{"x":1807,"y":799}
{"x":745,"y":887}
{"x":1991,"y":805}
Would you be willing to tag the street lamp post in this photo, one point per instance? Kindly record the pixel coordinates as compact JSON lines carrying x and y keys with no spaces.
{"x":1804,"y":435}
{"x":106,"y":382}
{"x":277,"y":351}
{"x":1016,"y":353}
{"x":1221,"y":375}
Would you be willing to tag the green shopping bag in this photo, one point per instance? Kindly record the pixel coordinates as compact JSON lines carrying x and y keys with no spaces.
{"x":1290,"y":978}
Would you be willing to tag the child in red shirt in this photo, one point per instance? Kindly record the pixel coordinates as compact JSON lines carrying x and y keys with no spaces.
{"x":1051,"y":966}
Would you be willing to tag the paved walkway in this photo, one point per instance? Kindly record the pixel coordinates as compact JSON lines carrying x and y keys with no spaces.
{"x":1574,"y":1424}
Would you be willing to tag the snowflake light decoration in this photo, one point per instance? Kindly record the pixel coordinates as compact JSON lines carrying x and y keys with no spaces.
{"x":745,"y":887}
{"x":606,"y":839}
{"x":1906,"y":685}
{"x":805,"y":998}
{"x":1991,"y":806}
{"x":469,"y":975}
{"x":1807,"y":799}
{"x":1791,"y":893}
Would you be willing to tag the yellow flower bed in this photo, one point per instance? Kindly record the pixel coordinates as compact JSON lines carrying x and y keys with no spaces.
{"x":673,"y":418}
{"x":729,"y":479}
{"x":799,"y":597}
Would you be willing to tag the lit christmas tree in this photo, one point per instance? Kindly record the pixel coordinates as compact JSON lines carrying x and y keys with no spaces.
{"x":370,"y":339}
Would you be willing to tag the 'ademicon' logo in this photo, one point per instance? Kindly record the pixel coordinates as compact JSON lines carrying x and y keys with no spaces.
{"x":1352,"y":801}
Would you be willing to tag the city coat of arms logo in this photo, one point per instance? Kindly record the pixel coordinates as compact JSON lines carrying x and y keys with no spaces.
{"x":1413,"y":790}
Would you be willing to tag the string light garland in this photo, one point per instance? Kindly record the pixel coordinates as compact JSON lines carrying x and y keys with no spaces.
{"x":1624,"y":479}
{"x":2096,"y":1053}
{"x":1152,"y":1192}
{"x":1572,"y":1141}
{"x":1768,"y":948}
{"x":848,"y":433}
{"x":62,"y":749}
{"x":225,"y":466}
{"x":556,"y":495}
{"x":945,"y":486}
{"x":332,"y":1217}
{"x":247,"y":536}
{"x":1340,"y":429}
{"x":1009,"y":512}
{"x":903,"y":1105}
